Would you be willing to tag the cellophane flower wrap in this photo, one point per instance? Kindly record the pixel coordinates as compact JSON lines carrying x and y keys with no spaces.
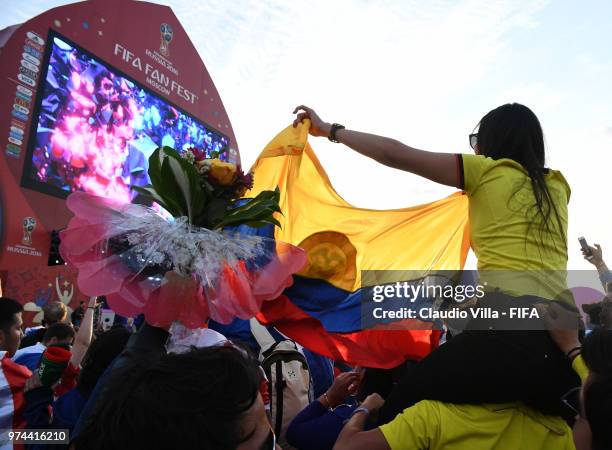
{"x":191,"y":266}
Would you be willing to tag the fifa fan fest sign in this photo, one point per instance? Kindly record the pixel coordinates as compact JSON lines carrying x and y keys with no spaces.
{"x":88,"y":92}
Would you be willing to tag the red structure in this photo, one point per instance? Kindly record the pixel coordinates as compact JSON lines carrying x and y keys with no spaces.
{"x":88,"y":91}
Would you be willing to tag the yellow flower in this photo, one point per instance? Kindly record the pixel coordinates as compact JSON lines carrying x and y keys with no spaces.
{"x":222,"y":173}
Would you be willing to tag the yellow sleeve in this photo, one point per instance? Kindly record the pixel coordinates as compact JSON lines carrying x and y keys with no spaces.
{"x":474,"y":166}
{"x":413,"y":428}
{"x":580,"y":368}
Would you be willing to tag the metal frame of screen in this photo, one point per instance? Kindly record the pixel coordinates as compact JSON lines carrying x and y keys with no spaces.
{"x":27,"y":178}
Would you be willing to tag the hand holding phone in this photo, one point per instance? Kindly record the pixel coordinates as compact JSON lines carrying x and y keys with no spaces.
{"x":585,"y":247}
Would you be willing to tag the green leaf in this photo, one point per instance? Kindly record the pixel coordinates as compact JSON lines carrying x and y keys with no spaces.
{"x":155,"y":164}
{"x":216,"y":211}
{"x":170,"y":190}
{"x":177,"y":182}
{"x":149,"y":193}
{"x":182,"y":181}
{"x":188,"y":180}
{"x":259,"y":210}
{"x":159,"y":185}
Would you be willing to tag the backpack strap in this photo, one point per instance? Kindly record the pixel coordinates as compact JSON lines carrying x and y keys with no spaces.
{"x":279,"y":398}
{"x":261,"y":335}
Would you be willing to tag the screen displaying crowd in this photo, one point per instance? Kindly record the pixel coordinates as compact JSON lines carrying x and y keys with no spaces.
{"x":96,"y":128}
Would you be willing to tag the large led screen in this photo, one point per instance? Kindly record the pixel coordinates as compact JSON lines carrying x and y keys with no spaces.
{"x":95,"y":128}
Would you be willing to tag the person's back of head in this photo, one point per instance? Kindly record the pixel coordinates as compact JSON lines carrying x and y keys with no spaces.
{"x":513,"y":131}
{"x":605,"y":315}
{"x":380,"y":381}
{"x":102,"y":351}
{"x":206,"y":399}
{"x":58,"y":333}
{"x":10,"y":324}
{"x":597,"y":390}
{"x":54,"y":312}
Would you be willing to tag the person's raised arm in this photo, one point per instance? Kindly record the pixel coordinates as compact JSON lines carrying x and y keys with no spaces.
{"x":352,"y":436}
{"x":563,"y":325}
{"x":83,"y":337}
{"x":596,"y":258}
{"x":439,"y":167}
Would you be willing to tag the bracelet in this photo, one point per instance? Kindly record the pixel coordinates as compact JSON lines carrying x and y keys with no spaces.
{"x":332,"y":132}
{"x":361,"y":409}
{"x":575,"y":349}
{"x":329,"y":405}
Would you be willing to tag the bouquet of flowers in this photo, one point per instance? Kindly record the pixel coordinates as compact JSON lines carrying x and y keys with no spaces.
{"x":205,"y":190}
{"x":190,"y":267}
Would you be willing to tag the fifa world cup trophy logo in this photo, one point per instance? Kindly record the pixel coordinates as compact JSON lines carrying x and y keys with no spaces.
{"x":166,"y":38}
{"x":29,"y":224}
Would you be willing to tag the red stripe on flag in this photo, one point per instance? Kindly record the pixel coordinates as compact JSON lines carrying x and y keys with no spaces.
{"x":380,"y":348}
{"x":16,"y":376}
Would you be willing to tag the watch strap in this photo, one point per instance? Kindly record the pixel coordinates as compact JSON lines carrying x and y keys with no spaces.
{"x":332,"y":132}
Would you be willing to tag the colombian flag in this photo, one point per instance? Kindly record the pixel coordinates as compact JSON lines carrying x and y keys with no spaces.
{"x":322,"y":310}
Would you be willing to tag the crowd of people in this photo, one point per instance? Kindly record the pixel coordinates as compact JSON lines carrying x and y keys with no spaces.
{"x":483,"y":388}
{"x":125,"y":390}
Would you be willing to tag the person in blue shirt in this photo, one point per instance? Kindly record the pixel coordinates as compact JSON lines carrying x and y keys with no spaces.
{"x":61,"y":334}
{"x":66,"y":409}
{"x":318,"y":425}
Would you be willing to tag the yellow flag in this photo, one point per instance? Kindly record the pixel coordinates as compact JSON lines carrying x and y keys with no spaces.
{"x":340,"y":239}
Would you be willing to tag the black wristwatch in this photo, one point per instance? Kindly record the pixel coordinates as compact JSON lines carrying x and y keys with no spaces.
{"x":332,"y":132}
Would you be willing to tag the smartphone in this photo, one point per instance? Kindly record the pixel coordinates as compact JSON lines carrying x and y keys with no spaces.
{"x":585,"y":246}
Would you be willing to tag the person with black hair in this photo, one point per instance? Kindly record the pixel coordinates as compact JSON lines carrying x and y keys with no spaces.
{"x":10,"y":325}
{"x":592,"y":402}
{"x":596,"y":394}
{"x":42,"y":411}
{"x":77,"y":315}
{"x":53,"y":312}
{"x":100,"y":355}
{"x":518,"y":231}
{"x":61,"y":334}
{"x":206,"y":398}
{"x":318,"y":425}
{"x":13,"y":376}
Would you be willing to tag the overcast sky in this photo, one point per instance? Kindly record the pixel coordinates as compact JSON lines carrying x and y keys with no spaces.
{"x":423,"y":72}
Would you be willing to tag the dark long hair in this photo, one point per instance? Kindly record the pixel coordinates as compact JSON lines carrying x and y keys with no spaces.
{"x":101,"y":353}
{"x":513,"y":131}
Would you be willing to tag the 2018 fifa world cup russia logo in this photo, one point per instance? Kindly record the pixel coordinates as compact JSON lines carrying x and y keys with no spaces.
{"x":166,"y":38}
{"x":29,"y":224}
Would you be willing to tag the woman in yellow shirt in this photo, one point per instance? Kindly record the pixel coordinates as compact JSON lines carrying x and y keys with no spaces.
{"x":518,"y":219}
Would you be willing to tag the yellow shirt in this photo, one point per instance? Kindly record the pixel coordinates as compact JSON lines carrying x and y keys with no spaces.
{"x":435,"y":425}
{"x":513,"y":253}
